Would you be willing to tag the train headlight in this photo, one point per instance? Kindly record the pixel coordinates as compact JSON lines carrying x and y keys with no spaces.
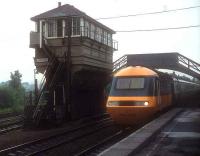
{"x":146,"y":103}
{"x":113,"y":103}
{"x":137,"y":103}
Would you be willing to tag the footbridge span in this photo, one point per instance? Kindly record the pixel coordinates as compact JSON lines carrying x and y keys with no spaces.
{"x":172,"y":61}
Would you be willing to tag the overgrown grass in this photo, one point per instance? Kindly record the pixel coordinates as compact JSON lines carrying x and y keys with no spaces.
{"x":5,"y":110}
{"x":14,"y":109}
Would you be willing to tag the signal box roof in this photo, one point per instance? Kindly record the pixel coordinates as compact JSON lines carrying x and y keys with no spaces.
{"x":136,"y":71}
{"x":68,"y":11}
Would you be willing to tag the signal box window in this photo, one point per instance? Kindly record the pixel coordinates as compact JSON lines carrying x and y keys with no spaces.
{"x":59,"y":28}
{"x":92,"y":31}
{"x":75,"y":26}
{"x":109,"y":40}
{"x":52,"y":28}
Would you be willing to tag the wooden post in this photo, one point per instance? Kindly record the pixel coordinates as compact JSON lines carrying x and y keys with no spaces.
{"x":36,"y":92}
{"x":68,"y":70}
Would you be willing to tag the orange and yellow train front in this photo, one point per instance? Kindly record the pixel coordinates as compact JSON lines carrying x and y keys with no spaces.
{"x":133,"y":96}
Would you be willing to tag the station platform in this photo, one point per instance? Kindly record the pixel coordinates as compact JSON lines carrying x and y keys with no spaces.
{"x":175,"y":133}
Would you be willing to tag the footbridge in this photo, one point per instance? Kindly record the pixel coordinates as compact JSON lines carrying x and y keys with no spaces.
{"x":172,"y":61}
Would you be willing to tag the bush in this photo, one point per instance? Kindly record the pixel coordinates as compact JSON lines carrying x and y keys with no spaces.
{"x":11,"y":98}
{"x":6,"y":96}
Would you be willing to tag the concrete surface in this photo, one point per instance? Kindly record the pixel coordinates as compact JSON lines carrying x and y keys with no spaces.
{"x":181,"y":137}
{"x":136,"y":141}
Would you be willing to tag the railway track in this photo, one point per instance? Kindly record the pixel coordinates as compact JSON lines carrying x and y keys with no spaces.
{"x":11,"y":114}
{"x":97,"y":148}
{"x":102,"y":145}
{"x":46,"y":144}
{"x":10,"y":123}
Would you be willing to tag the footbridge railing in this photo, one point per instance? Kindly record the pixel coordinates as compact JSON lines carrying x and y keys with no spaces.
{"x":188,"y":63}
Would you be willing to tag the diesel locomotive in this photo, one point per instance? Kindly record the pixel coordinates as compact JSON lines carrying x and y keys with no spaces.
{"x":137,"y":93}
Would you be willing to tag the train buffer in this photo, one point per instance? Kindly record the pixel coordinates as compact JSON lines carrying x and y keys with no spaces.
{"x":176,"y":132}
{"x":172,"y":61}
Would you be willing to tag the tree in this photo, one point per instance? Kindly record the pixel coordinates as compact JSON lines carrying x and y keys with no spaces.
{"x":15,"y":80}
{"x":6,"y":98}
{"x":12,"y":93}
{"x":11,"y":98}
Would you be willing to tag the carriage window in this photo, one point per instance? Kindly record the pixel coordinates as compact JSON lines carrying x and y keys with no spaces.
{"x":130,"y":83}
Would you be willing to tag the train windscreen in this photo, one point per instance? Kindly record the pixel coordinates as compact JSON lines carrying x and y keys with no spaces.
{"x":130,"y":83}
{"x":132,"y":86}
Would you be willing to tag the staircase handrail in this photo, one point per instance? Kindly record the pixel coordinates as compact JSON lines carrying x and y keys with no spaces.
{"x":52,"y":61}
{"x":120,"y":63}
{"x":55,"y":74}
{"x":43,"y":80}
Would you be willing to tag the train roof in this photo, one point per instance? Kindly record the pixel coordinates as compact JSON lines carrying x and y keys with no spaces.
{"x":184,"y":81}
{"x":136,"y":71}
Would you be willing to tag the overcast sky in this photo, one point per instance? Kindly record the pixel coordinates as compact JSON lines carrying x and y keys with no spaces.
{"x":15,"y":27}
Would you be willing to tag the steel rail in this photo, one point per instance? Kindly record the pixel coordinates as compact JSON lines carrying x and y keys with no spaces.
{"x":10,"y":128}
{"x":93,"y":131}
{"x":26,"y":148}
{"x":11,"y":123}
{"x":102,"y":145}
